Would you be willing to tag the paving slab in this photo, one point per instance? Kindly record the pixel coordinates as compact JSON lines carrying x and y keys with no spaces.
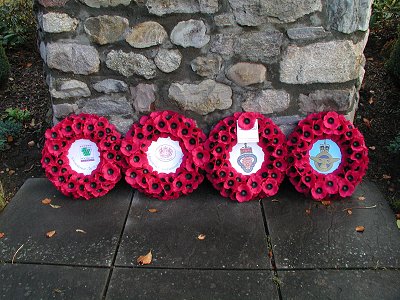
{"x":26,"y":281}
{"x":234,"y":232}
{"x":340,"y":284}
{"x":25,"y":222}
{"x":306,"y":234}
{"x":141,"y":283}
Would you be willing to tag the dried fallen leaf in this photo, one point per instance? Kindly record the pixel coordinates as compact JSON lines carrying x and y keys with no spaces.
{"x":10,"y":139}
{"x":367,"y":122}
{"x":32,"y":123}
{"x":349,"y":211}
{"x":270,"y":253}
{"x":361,"y":198}
{"x":397,"y":216}
{"x":50,"y":234}
{"x":28,"y":65}
{"x":80,"y":230}
{"x":371,"y":100}
{"x":360,"y":228}
{"x":274,"y":200}
{"x":31,"y":143}
{"x":2,"y":234}
{"x":391,"y":189}
{"x":326,"y":203}
{"x":386,"y":176}
{"x":372,"y":148}
{"x":145,"y":259}
{"x":55,"y":206}
{"x":11,"y":172}
{"x":152,"y":210}
{"x":308,"y":211}
{"x":46,"y":201}
{"x":201,"y":236}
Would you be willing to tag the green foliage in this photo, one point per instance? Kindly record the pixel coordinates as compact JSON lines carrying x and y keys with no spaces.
{"x":393,"y":63}
{"x":17,"y":22}
{"x":18,"y":115}
{"x":4,"y":66}
{"x":8,"y":128}
{"x":384,"y":10}
{"x":394,"y":146}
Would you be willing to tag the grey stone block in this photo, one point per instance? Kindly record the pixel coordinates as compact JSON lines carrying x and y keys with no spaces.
{"x":348,"y":16}
{"x":75,"y":58}
{"x":339,"y":284}
{"x":25,"y":221}
{"x":46,"y":282}
{"x":326,"y":236}
{"x":140,"y":283}
{"x":235,"y":236}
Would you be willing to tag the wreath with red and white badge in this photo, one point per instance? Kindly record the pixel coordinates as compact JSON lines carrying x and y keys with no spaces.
{"x":327,"y":156}
{"x":165,"y":154}
{"x":81,"y":156}
{"x":247,"y":157}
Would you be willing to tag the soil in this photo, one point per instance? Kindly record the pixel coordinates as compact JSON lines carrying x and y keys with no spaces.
{"x":26,"y":89}
{"x":378,"y":114}
{"x":377,"y":117}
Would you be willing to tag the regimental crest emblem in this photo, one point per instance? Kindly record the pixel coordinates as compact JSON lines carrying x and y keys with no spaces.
{"x":247,"y":160}
{"x":165,"y":153}
{"x":323,"y":160}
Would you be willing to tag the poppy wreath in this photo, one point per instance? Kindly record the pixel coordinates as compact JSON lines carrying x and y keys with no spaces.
{"x":165,"y":153}
{"x":327,"y":156}
{"x":243,"y":182}
{"x":81,"y":156}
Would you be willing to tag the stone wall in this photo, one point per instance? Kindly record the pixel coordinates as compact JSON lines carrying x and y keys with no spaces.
{"x":204,"y":58}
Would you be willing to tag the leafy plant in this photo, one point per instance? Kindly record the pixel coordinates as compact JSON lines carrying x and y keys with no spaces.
{"x":8,"y":129}
{"x":4,"y":66}
{"x":384,"y":10}
{"x":17,"y":22}
{"x":393,"y":63}
{"x":394,"y":146}
{"x":17,"y":114}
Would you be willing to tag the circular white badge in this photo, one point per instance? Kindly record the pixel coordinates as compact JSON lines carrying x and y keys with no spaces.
{"x":83,"y":156}
{"x":325,"y":156}
{"x":246,"y":158}
{"x":164,"y":155}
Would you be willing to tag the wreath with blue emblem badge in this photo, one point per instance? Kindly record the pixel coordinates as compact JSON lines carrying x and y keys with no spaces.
{"x":327,"y":156}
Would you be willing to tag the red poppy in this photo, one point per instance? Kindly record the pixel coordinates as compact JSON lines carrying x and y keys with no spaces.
{"x":309,"y":179}
{"x":155,"y":185}
{"x":246,"y":120}
{"x":318,"y":191}
{"x":346,"y":189}
{"x":331,"y":120}
{"x":200,"y":156}
{"x":244,"y":193}
{"x":270,"y":187}
{"x":255,"y":184}
{"x":307,"y":133}
{"x":331,"y":184}
{"x":110,"y":172}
